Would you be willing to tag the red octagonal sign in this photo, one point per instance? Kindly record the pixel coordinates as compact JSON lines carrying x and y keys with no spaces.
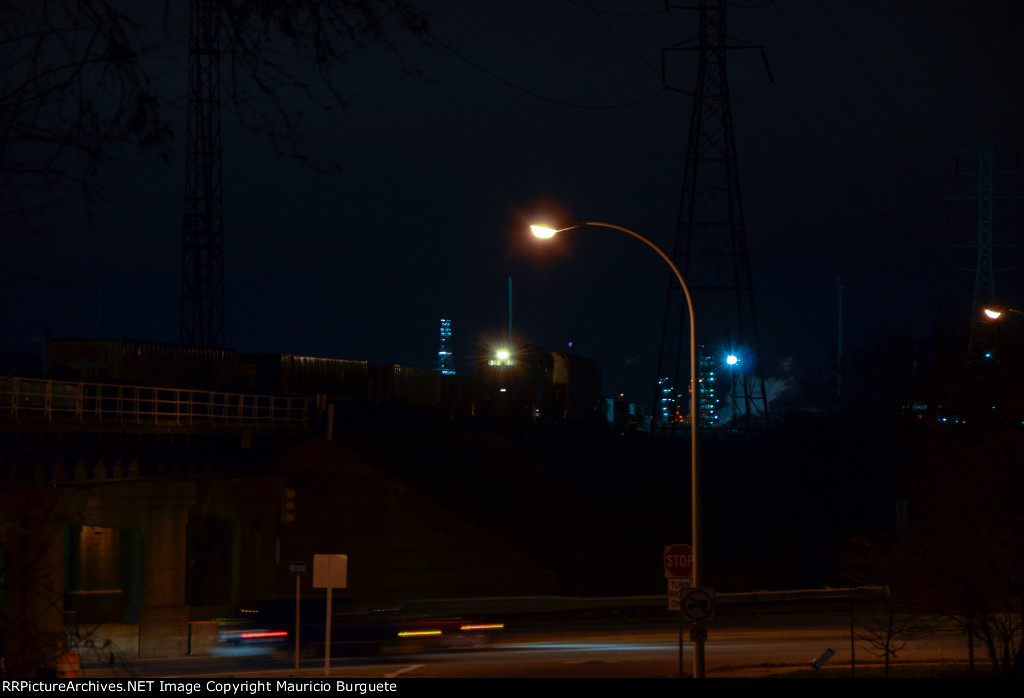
{"x":678,"y":561}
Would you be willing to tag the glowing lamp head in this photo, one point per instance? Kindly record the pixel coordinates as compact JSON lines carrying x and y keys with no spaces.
{"x":502,"y":357}
{"x":543,"y":231}
{"x":732,"y":359}
{"x":992,"y":313}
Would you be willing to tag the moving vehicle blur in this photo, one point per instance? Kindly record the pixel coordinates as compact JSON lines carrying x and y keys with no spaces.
{"x":356,"y":629}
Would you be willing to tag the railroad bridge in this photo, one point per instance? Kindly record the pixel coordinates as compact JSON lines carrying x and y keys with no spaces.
{"x":132,"y":517}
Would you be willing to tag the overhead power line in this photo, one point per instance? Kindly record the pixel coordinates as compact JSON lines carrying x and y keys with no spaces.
{"x":508,"y":83}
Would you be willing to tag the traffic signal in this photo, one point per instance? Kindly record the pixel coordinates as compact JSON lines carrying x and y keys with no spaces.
{"x":288,"y":506}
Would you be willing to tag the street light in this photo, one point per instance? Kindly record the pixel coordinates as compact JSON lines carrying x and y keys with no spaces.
{"x":545,"y":232}
{"x":995,"y":312}
{"x":502,"y":357}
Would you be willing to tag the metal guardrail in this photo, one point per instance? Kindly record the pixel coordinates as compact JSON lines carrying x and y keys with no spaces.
{"x":57,"y":401}
{"x":554,"y":605}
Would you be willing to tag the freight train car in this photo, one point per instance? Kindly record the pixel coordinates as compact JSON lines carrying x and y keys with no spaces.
{"x":459,"y":397}
{"x":577,"y":387}
{"x":405,"y":385}
{"x":532,"y":385}
{"x":130,"y":362}
{"x":290,"y":374}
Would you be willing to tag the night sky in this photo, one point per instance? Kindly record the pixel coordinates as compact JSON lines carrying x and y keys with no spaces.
{"x":847,"y":160}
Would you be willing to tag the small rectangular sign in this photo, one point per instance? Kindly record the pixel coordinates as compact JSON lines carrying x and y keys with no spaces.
{"x":330,"y":571}
{"x":676,"y":587}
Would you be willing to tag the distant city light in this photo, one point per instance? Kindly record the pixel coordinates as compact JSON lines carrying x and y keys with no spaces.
{"x":444,"y":355}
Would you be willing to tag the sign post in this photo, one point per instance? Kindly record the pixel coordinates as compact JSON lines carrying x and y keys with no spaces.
{"x":329,"y":571}
{"x":297,"y":570}
{"x":678,"y":562}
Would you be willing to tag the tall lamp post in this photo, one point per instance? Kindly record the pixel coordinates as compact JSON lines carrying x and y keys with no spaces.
{"x":544,"y":232}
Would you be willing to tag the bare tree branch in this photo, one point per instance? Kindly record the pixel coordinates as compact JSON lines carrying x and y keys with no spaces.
{"x":87,"y":82}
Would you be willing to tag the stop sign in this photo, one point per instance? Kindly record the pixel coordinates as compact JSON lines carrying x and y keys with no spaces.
{"x":678,"y":561}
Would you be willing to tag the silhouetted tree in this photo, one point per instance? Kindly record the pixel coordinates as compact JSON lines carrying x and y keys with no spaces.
{"x":902,"y":614}
{"x":962,"y":554}
{"x":969,"y":531}
{"x":84,"y":83}
{"x":76,"y":85}
{"x":32,"y":528}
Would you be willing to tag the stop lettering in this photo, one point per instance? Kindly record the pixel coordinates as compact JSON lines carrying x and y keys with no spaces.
{"x":678,"y":561}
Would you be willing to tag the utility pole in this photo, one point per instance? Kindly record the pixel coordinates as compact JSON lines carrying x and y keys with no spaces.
{"x":202,"y":236}
{"x":711,"y":243}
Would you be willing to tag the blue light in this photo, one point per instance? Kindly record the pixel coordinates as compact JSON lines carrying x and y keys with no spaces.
{"x":732,"y":359}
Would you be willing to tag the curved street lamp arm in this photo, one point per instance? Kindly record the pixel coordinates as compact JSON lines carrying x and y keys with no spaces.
{"x":695,"y":479}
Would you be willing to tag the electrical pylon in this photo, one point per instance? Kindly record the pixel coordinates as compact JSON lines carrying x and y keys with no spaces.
{"x":202,"y":236}
{"x":981,"y":343}
{"x":711,"y":245}
{"x":982,"y":337}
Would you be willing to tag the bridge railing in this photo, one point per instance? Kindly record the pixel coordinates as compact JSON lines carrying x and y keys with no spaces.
{"x":143,"y":405}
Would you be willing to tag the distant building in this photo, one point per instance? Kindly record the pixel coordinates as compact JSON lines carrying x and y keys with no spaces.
{"x":667,"y":412}
{"x":444,"y":354}
{"x":673,"y":406}
{"x":625,"y":417}
{"x":709,"y":402}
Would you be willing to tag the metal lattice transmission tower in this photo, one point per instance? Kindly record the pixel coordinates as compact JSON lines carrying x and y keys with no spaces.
{"x":984,"y":275}
{"x":711,"y":245}
{"x":982,"y":342}
{"x":981,"y":336}
{"x":202,"y":235}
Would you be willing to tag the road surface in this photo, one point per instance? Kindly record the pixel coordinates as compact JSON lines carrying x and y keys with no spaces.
{"x":627,"y":649}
